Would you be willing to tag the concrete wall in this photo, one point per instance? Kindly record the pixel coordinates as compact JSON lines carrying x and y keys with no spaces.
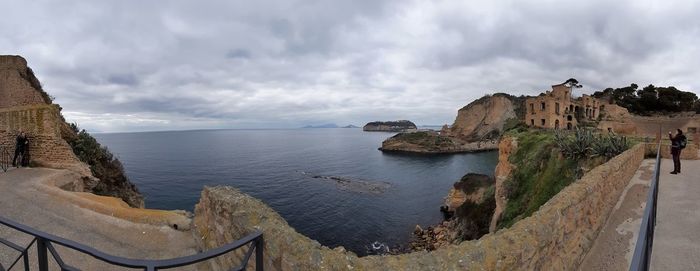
{"x":556,"y":237}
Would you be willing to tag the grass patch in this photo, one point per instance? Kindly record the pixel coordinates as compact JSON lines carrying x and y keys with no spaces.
{"x":540,"y":172}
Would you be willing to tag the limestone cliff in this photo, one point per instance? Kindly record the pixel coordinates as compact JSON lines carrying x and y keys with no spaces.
{"x":24,"y":105}
{"x":390,"y":126}
{"x":486,"y":117}
{"x":478,"y":127}
{"x":503,"y":170}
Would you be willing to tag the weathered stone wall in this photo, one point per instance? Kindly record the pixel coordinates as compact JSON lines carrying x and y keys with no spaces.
{"x":15,"y":87}
{"x":649,"y":126}
{"x":41,"y":123}
{"x":556,"y":237}
{"x":689,"y":153}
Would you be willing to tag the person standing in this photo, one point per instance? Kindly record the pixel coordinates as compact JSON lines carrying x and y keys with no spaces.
{"x":21,"y":144}
{"x":678,"y":143}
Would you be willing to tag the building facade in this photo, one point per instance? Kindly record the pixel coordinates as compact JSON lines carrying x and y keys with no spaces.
{"x":557,"y":109}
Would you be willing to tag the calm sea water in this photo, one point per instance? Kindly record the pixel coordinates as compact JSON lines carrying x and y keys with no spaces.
{"x":277,"y":166}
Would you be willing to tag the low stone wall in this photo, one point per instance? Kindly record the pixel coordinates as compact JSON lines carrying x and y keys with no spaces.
{"x":556,"y":237}
{"x":41,"y":123}
{"x":689,"y":153}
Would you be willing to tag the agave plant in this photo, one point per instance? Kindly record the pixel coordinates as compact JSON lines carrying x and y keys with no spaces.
{"x":577,"y":146}
{"x":609,"y":146}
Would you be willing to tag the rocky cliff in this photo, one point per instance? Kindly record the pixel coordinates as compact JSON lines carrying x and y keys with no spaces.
{"x":468,"y":206}
{"x":478,"y":127}
{"x":503,"y":170}
{"x":24,"y":105}
{"x":486,"y":117}
{"x":390,"y":126}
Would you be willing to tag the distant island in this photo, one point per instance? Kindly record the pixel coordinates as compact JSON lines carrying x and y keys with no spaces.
{"x":350,"y":126}
{"x":390,"y":126}
{"x":327,"y":125}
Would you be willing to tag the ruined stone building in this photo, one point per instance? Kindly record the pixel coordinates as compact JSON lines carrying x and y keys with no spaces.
{"x":557,"y":109}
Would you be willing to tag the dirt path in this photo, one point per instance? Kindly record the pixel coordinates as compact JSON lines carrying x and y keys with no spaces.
{"x":614,"y":246}
{"x":24,"y":199}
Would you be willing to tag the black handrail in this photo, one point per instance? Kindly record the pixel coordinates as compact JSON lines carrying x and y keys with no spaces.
{"x":4,"y":158}
{"x":45,"y":243}
{"x":645,"y":240}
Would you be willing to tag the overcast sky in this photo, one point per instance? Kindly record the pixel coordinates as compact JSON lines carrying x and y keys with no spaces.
{"x":166,"y":65}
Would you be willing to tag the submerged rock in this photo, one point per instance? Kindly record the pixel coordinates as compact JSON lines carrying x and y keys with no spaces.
{"x":355,"y":185}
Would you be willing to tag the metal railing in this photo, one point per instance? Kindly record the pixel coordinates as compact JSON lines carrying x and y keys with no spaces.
{"x":5,"y":159}
{"x":645,"y":241}
{"x":45,"y":245}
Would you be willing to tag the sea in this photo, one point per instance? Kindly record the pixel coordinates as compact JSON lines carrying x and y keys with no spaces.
{"x":332,"y":185}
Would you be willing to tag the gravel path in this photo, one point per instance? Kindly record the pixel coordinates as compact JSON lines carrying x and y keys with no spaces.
{"x":23,"y":199}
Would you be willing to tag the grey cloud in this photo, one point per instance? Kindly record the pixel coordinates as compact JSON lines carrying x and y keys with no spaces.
{"x":238,"y":64}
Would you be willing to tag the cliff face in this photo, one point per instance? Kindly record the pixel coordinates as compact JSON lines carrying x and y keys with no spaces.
{"x":485,"y":118}
{"x":390,"y":126}
{"x":25,"y":106}
{"x":478,"y":127}
{"x":503,"y":170}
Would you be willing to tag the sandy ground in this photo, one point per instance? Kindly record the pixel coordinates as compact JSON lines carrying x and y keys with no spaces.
{"x":677,"y":235}
{"x":23,"y":198}
{"x":614,"y":246}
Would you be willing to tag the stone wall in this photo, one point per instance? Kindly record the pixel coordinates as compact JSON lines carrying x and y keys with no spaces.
{"x":41,"y":123}
{"x":556,"y":237}
{"x":15,"y":83}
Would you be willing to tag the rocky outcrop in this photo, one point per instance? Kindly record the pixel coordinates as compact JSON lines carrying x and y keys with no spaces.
{"x":430,"y":142}
{"x":556,"y":237}
{"x":503,"y":170}
{"x":390,"y":126}
{"x":468,"y":207}
{"x":25,"y":106}
{"x":486,"y":117}
{"x":478,"y":127}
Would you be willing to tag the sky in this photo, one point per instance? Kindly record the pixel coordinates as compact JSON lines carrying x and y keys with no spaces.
{"x":123,"y":65}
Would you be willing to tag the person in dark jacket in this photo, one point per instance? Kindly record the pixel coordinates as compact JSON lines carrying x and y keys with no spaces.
{"x":20,"y":147}
{"x":676,"y":150}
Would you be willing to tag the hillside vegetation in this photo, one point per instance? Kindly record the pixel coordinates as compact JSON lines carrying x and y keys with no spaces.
{"x":546,"y":162}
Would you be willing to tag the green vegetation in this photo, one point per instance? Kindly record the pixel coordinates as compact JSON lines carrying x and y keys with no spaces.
{"x":651,"y":99}
{"x":104,"y":166}
{"x":583,"y":144}
{"x":546,"y":162}
{"x":540,"y":173}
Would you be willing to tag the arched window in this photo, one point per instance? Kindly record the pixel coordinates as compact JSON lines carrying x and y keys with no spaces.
{"x":556,"y":124}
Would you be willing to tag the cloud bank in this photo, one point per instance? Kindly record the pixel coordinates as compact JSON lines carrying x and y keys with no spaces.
{"x":154,"y":65}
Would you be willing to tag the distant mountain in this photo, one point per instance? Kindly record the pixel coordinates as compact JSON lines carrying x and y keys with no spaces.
{"x":327,"y":125}
{"x":350,"y":126}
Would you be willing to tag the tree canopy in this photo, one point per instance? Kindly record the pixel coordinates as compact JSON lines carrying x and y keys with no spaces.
{"x":651,"y":99}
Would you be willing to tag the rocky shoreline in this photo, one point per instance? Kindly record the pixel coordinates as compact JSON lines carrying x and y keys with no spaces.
{"x":431,"y":142}
{"x":468,"y":210}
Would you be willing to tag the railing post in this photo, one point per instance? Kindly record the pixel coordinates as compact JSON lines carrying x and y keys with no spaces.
{"x":259,"y":244}
{"x":25,"y":256}
{"x":42,"y":255}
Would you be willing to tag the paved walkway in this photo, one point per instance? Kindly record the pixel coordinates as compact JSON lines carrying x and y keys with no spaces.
{"x":677,"y":236}
{"x":614,"y":246}
{"x":23,"y":198}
